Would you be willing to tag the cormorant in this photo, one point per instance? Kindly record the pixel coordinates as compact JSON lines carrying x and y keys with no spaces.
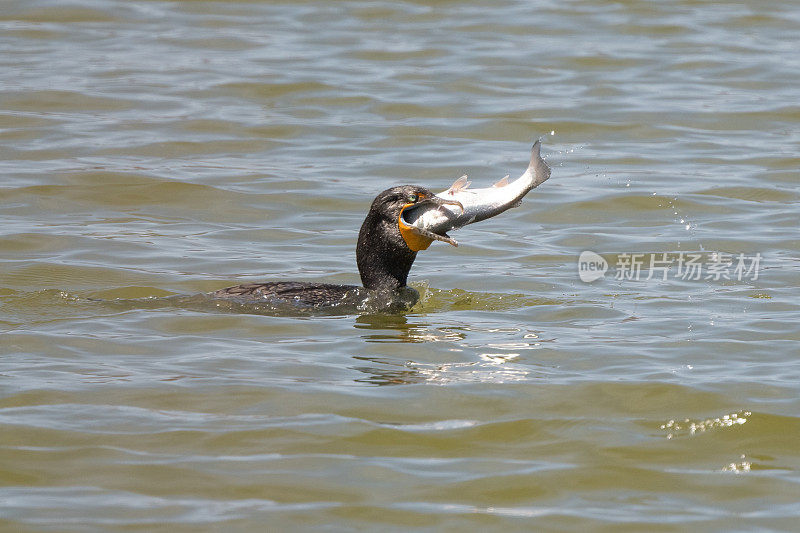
{"x":386,"y":249}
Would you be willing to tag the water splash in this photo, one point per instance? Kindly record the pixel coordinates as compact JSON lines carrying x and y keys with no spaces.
{"x":689,"y":427}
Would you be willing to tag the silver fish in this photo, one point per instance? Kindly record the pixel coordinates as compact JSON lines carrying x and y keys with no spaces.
{"x":476,"y":204}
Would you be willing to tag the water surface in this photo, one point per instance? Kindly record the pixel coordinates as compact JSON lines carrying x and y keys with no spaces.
{"x":150,"y":149}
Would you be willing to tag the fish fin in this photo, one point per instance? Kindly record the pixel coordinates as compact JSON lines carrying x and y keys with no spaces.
{"x":502,"y":183}
{"x":458,"y":185}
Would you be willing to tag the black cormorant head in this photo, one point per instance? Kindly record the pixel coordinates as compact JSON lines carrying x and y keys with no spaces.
{"x":387,"y":246}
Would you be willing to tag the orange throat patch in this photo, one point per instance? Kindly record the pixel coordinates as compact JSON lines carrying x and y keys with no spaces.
{"x":414,"y":240}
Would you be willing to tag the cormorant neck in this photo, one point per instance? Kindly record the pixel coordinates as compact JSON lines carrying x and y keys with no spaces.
{"x":383,"y":257}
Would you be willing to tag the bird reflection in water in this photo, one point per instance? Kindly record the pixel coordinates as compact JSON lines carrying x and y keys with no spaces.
{"x":492,"y":367}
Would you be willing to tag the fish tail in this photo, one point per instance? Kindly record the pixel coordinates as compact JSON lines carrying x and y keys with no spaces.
{"x":537,"y":167}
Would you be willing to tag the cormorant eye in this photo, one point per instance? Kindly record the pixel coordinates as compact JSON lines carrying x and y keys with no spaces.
{"x":413,"y":197}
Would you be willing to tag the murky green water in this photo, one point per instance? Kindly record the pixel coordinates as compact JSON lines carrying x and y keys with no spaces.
{"x":151,"y":149}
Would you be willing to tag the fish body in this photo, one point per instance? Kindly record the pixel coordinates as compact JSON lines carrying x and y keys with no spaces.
{"x":478,"y":204}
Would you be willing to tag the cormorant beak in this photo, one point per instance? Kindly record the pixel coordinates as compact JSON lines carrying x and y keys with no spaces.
{"x":417,"y":238}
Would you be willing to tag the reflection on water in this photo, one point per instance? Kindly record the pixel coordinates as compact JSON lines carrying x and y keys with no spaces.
{"x":397,"y":328}
{"x":491,"y":369}
{"x":385,"y":371}
{"x":497,"y":366}
{"x":487,"y":371}
{"x":388,"y":328}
